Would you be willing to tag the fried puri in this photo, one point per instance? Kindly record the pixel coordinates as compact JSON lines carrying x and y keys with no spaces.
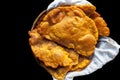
{"x":65,"y":37}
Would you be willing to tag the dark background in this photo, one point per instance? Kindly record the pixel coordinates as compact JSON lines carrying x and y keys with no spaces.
{"x":21,"y":63}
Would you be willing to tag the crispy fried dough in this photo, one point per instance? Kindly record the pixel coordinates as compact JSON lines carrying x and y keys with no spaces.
{"x":70,"y":27}
{"x":102,"y":26}
{"x":90,"y":11}
{"x":56,"y":59}
{"x":65,"y":38}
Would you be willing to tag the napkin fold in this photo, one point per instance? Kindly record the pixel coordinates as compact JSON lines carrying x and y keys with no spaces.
{"x":56,"y":3}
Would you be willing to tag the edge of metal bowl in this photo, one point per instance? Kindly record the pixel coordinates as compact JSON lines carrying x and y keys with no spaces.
{"x":38,"y":19}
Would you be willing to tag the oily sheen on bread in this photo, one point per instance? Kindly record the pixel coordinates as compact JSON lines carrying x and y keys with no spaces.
{"x":64,"y":38}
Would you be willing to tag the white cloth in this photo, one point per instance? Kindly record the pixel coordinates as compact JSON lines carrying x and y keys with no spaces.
{"x":105,"y":52}
{"x":56,"y":3}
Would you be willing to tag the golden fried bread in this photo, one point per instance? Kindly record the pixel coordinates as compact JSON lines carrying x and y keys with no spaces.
{"x":64,"y":38}
{"x":56,"y":59}
{"x":90,"y":11}
{"x":102,"y":26}
{"x":70,"y":27}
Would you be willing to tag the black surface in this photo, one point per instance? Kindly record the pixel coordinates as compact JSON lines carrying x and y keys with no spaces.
{"x":24,"y":66}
